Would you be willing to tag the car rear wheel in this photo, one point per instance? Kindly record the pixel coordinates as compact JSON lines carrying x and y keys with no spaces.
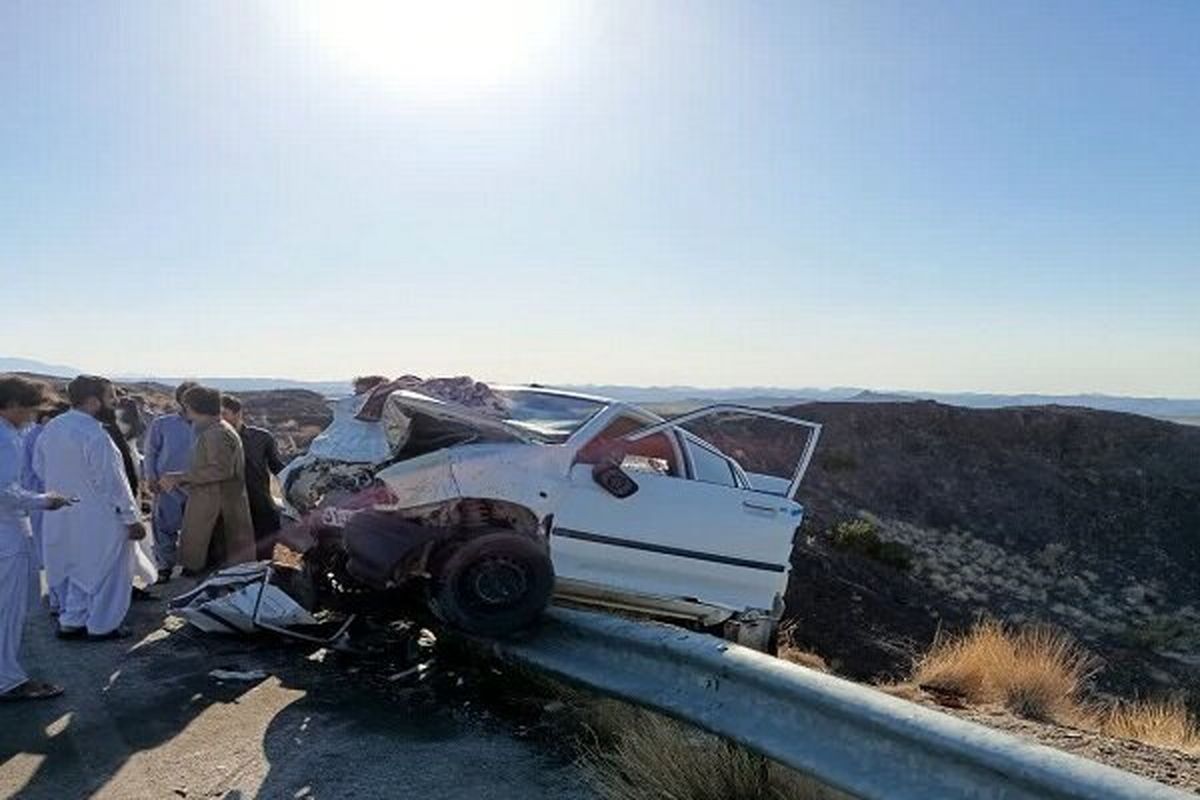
{"x":494,"y":584}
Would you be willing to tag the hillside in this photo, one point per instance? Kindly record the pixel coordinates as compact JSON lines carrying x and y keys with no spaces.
{"x":1086,"y":519}
{"x":295,"y":416}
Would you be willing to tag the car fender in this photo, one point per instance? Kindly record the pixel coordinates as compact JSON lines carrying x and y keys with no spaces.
{"x":421,"y":481}
{"x":523,"y":474}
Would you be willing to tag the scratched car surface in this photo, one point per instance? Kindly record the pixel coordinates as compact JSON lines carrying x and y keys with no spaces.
{"x":491,"y":511}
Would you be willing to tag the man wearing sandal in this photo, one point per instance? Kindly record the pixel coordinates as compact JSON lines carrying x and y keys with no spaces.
{"x":20,"y":400}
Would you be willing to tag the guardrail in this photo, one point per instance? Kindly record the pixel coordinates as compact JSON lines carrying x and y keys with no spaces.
{"x":846,"y":736}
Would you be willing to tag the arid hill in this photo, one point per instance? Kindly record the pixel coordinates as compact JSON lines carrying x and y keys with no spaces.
{"x":295,"y":416}
{"x":1088,"y":520}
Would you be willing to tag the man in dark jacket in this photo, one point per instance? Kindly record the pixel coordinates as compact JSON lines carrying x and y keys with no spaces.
{"x":262,"y":461}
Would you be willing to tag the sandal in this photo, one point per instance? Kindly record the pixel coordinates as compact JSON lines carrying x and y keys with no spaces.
{"x":31,"y":690}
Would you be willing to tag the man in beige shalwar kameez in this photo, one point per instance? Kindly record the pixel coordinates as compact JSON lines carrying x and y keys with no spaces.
{"x":217,"y":519}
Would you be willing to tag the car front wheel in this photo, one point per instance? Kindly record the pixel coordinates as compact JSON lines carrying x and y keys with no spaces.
{"x":494,"y":584}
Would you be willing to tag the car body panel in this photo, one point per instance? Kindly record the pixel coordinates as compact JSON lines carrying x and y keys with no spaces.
{"x":422,"y":481}
{"x":675,"y":537}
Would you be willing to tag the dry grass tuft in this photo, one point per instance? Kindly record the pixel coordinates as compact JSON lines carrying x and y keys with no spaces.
{"x":1039,"y":673}
{"x":1163,"y":723}
{"x":905,"y":691}
{"x":646,"y":756}
{"x":803,"y":658}
{"x":1035,"y":672}
{"x":788,"y":650}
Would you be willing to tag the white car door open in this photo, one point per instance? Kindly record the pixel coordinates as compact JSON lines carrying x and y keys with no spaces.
{"x":691,"y":530}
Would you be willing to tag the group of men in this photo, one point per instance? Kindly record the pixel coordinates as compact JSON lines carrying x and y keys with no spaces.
{"x":70,"y":504}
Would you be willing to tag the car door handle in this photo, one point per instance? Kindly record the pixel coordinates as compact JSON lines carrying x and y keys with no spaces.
{"x":746,"y":504}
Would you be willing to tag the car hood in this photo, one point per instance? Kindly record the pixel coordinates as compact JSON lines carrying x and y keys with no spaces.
{"x":408,"y":402}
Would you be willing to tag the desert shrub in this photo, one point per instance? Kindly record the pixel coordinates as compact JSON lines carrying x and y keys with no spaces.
{"x":1165,"y":723}
{"x":1039,"y":673}
{"x":856,"y":534}
{"x":1036,"y":672}
{"x":650,"y":757}
{"x":862,"y":536}
{"x":790,"y":651}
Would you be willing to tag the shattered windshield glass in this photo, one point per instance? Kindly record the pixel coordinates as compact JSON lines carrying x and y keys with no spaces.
{"x":551,"y":418}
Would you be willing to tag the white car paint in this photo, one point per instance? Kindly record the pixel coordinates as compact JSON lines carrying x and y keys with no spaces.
{"x":678,"y":545}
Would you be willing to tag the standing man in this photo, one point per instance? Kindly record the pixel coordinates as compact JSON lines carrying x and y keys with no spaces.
{"x":262,"y":461}
{"x":168,"y":449}
{"x":145,"y":569}
{"x":216,"y":524}
{"x":19,"y":401}
{"x":89,"y":546}
{"x":31,"y":482}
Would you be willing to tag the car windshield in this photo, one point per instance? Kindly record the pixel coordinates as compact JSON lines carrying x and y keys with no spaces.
{"x":551,"y":418}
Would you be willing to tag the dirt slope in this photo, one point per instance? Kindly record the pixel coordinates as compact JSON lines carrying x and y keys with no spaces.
{"x":1086,"y":519}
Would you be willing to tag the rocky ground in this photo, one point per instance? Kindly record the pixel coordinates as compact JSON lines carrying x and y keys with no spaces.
{"x":1174,"y":768}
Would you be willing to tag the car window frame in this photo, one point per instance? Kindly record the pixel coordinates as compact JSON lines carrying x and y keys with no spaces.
{"x":801,"y":467}
{"x":689,"y":440}
{"x":598,"y":424}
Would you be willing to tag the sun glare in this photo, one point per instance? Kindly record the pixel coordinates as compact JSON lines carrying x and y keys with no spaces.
{"x":437,"y":47}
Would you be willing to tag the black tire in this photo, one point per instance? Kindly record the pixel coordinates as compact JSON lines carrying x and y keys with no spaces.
{"x":494,"y":584}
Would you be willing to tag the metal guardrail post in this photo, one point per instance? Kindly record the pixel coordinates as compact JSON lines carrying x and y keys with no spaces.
{"x":847,"y":736}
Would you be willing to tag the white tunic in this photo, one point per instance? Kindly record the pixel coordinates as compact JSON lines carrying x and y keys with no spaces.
{"x":83,"y":542}
{"x":15,"y":502}
{"x":15,"y":505}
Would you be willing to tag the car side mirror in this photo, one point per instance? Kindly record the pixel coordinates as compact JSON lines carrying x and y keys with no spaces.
{"x":614,"y":480}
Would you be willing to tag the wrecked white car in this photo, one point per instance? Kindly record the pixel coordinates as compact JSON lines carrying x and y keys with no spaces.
{"x":486,"y":511}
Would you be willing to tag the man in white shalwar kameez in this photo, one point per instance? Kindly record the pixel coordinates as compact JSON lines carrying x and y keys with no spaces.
{"x":19,"y":402}
{"x":89,"y":547}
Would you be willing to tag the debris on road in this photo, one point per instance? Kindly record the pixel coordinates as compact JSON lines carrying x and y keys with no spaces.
{"x":237,"y":600}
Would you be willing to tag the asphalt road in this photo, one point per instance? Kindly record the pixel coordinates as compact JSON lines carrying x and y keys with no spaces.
{"x":142,"y":718}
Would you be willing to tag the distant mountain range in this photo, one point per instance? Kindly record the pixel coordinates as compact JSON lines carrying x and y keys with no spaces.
{"x":683,"y":397}
{"x":29,"y":365}
{"x":36,"y":367}
{"x":757,"y":396}
{"x":326,"y":388}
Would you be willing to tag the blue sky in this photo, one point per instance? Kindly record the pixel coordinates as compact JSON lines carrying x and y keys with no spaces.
{"x":949,"y":195}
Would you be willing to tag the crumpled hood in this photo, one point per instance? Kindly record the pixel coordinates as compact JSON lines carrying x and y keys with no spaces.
{"x":409,"y":402}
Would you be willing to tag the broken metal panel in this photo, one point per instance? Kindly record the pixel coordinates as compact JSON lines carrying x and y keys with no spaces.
{"x":531,"y":477}
{"x":350,"y":439}
{"x":237,"y":599}
{"x":311,"y":481}
{"x":421,"y":481}
{"x":411,"y":403}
